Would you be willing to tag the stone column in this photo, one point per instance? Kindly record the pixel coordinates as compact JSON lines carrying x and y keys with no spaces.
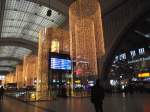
{"x":29,"y":69}
{"x":86,"y":33}
{"x":7,"y":78}
{"x":25,"y":70}
{"x":45,"y":38}
{"x":19,"y":75}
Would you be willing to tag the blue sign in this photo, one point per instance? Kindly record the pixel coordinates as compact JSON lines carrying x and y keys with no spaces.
{"x":60,"y":64}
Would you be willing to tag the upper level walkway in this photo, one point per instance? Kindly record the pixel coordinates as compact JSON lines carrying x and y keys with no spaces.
{"x":114,"y":103}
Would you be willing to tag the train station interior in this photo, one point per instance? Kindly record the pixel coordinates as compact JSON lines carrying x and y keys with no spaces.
{"x":53,"y":51}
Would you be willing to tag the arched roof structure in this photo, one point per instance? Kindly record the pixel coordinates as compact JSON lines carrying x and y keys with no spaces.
{"x":21,"y":20}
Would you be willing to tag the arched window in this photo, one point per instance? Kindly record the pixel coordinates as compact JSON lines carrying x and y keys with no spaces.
{"x":55,"y":46}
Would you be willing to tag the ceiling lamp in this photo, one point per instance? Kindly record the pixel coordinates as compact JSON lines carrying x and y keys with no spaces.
{"x":49,"y":13}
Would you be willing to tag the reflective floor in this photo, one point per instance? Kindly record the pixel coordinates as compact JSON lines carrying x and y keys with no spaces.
{"x":11,"y":105}
{"x":112,"y":103}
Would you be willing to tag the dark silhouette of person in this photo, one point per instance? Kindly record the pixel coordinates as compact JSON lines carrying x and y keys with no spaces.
{"x":64,"y":91}
{"x":1,"y":93}
{"x":97,"y":96}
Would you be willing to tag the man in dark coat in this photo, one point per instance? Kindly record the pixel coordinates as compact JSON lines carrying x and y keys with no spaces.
{"x":97,"y":96}
{"x":1,"y":92}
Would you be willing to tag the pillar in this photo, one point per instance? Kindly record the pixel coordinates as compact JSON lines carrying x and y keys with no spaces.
{"x":10,"y":78}
{"x":45,"y":39}
{"x":86,"y":33}
{"x":29,"y":69}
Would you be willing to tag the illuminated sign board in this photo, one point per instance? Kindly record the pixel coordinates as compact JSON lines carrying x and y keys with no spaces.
{"x":144,"y":75}
{"x":139,"y":60}
{"x":60,"y":64}
{"x":130,"y":54}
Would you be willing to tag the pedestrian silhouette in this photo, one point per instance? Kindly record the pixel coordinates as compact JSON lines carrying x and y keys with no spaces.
{"x":1,"y":93}
{"x":97,"y":96}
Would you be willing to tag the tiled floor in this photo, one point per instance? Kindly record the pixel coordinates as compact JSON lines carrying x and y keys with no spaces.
{"x":114,"y":103}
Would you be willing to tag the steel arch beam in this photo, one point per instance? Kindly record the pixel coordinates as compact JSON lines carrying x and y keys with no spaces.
{"x":122,"y":18}
{"x":10,"y":59}
{"x":12,"y":41}
{"x":7,"y":66}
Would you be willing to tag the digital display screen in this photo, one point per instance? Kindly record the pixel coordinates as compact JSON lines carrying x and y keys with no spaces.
{"x":60,"y":64}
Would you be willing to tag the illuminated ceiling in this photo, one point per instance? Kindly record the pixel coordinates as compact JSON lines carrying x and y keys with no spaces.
{"x":22,"y":20}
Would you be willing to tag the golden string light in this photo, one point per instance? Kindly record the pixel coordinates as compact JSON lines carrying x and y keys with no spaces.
{"x":29,"y":69}
{"x":45,"y":44}
{"x":19,"y":76}
{"x":86,"y":33}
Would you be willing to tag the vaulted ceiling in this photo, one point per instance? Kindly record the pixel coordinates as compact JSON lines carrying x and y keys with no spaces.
{"x":21,"y":20}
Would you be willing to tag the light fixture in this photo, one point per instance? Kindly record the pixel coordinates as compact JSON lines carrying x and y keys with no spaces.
{"x":49,"y":13}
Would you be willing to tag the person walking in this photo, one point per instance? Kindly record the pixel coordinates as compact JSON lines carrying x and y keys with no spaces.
{"x":1,"y":93}
{"x":97,"y":96}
